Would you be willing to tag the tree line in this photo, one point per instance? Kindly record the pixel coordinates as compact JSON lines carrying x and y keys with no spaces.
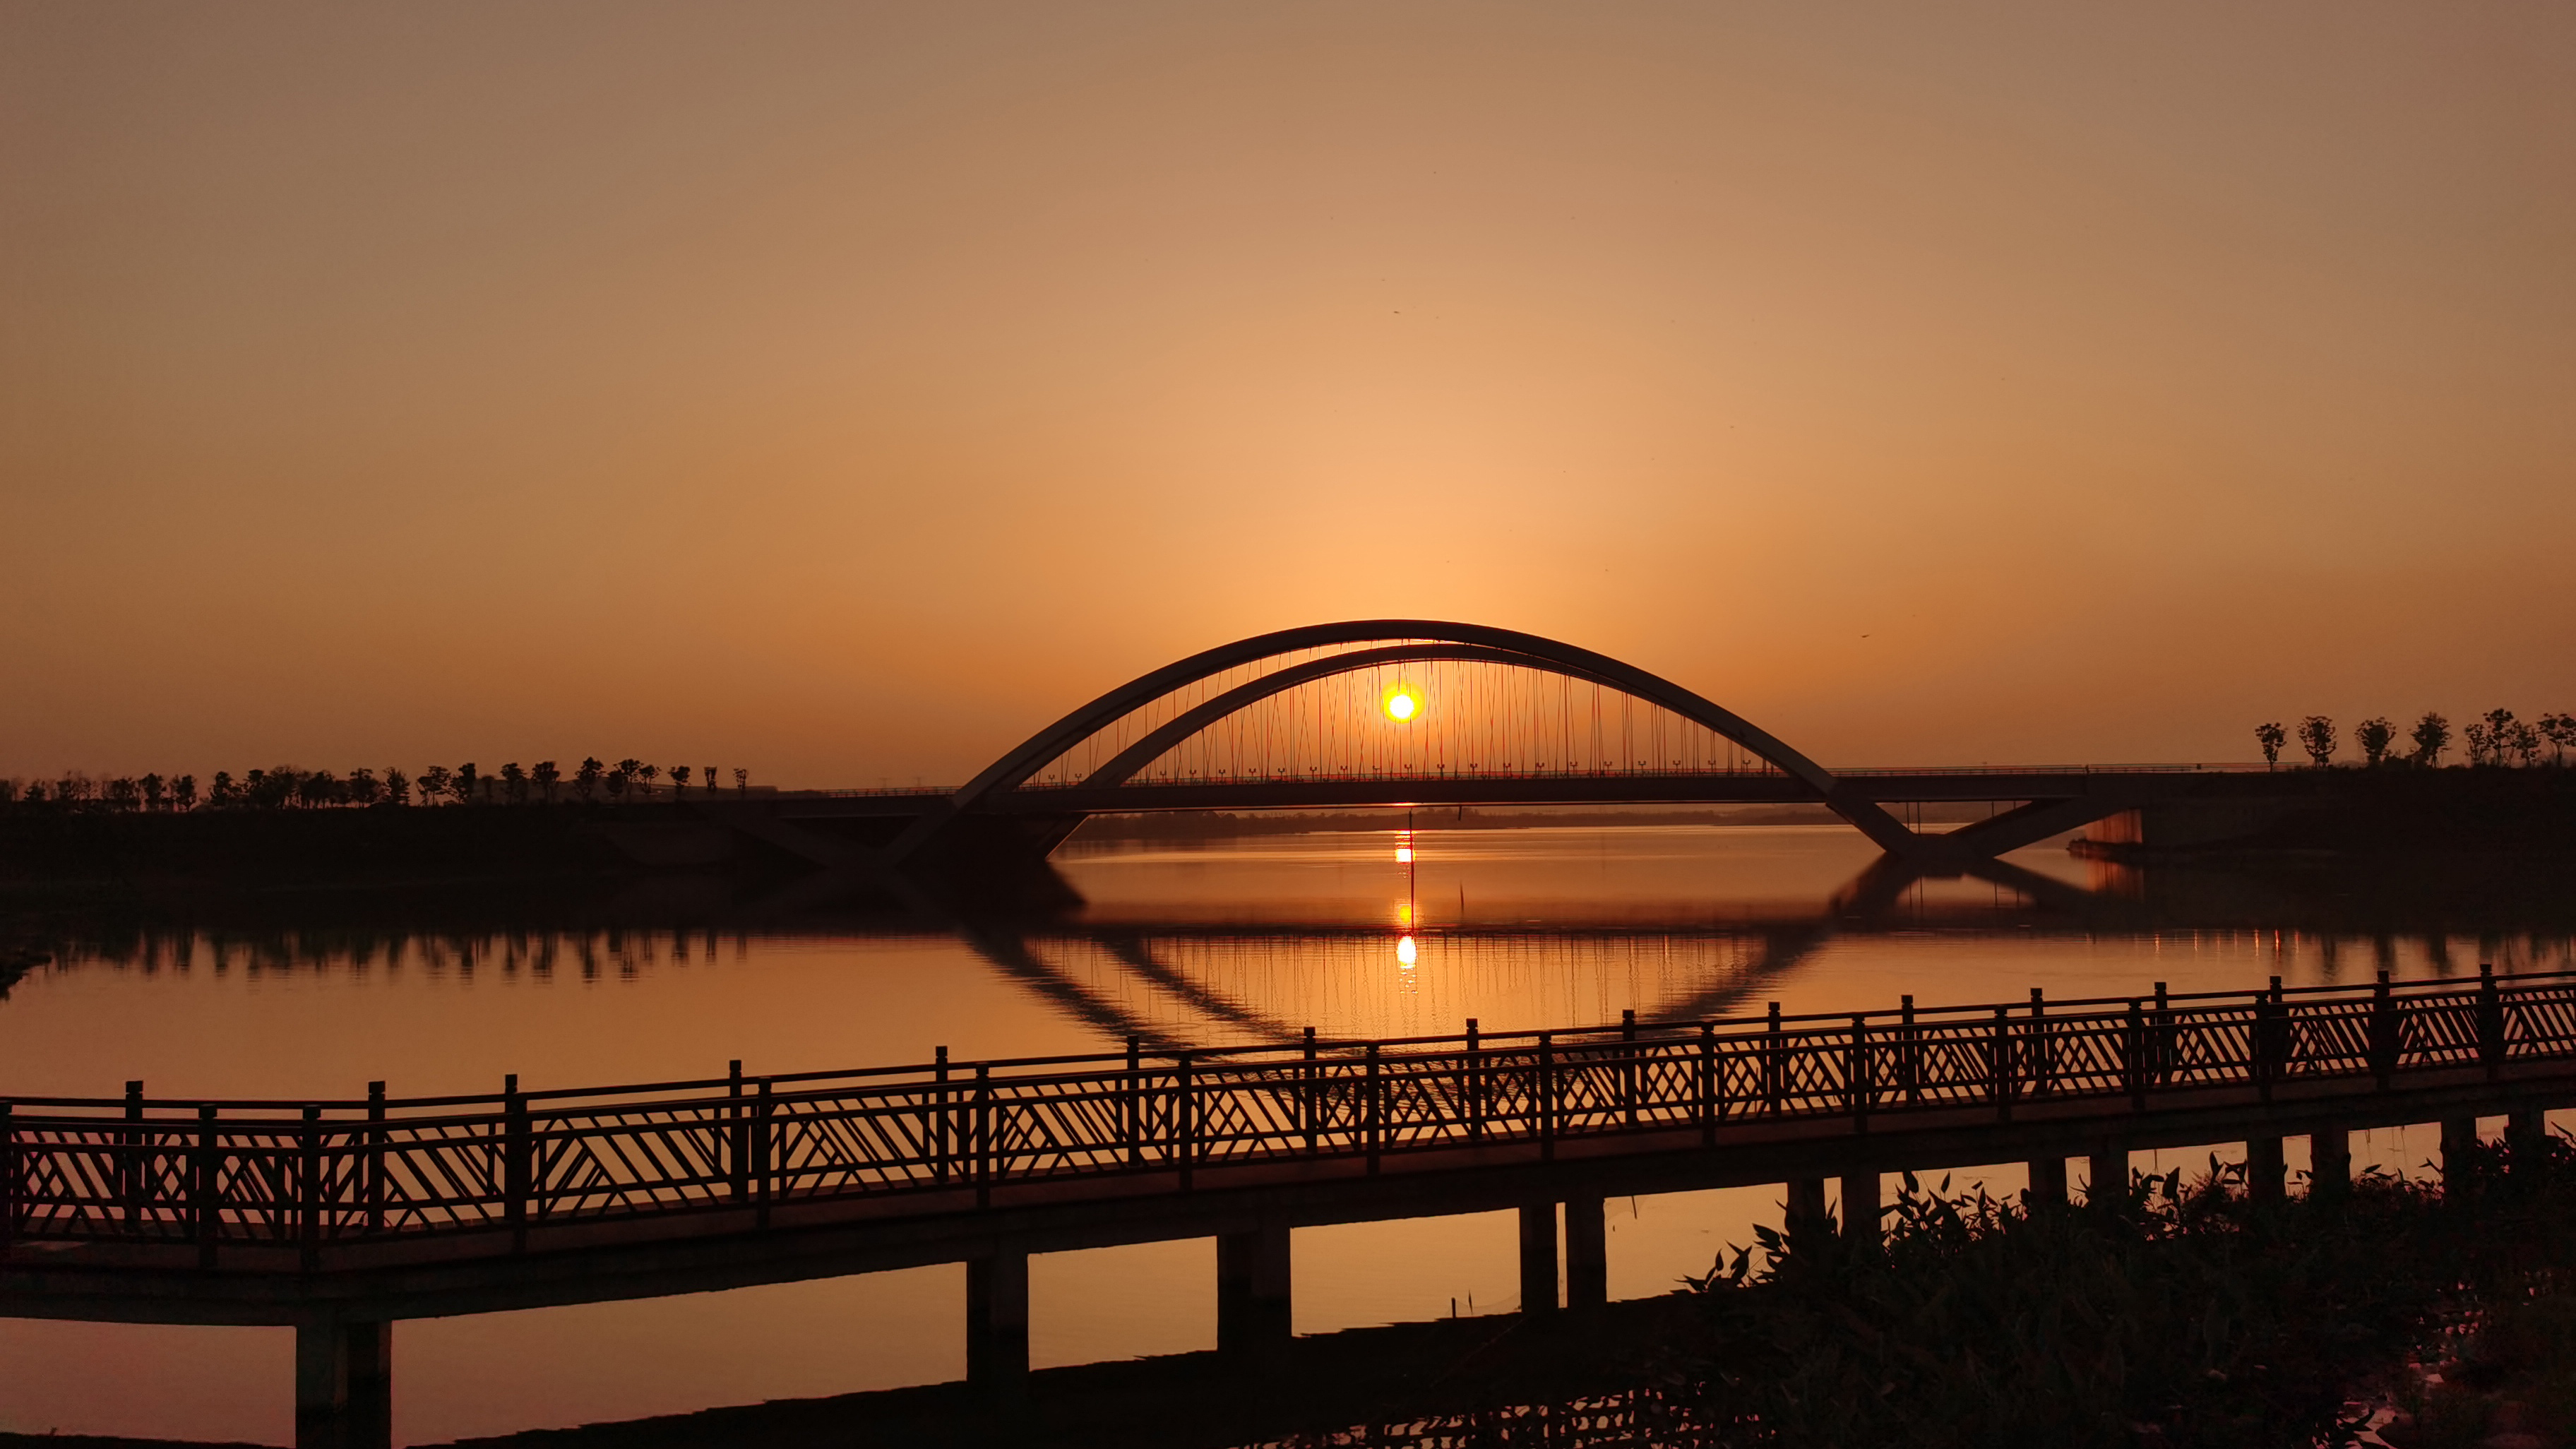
{"x":287,"y":788}
{"x":2494,"y":738}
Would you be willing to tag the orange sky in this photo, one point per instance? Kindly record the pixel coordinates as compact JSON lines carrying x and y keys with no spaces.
{"x":844,"y":391}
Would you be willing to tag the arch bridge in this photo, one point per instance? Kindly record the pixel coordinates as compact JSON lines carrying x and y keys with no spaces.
{"x":1411,"y":712}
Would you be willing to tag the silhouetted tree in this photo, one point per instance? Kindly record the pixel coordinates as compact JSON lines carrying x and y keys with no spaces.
{"x":2432,"y":735}
{"x":741,"y":781}
{"x":585,"y":781}
{"x":223,"y":791}
{"x":463,"y":783}
{"x":2269,"y":735}
{"x":8,"y":793}
{"x":433,"y":783}
{"x":2561,"y":732}
{"x":679,"y":781}
{"x":649,"y":773}
{"x":362,"y":788}
{"x":711,"y":779}
{"x":2317,"y":737}
{"x":617,"y":779}
{"x":514,"y":783}
{"x":317,"y":789}
{"x":546,"y":775}
{"x":397,"y":787}
{"x":2500,"y":723}
{"x":2525,"y":743}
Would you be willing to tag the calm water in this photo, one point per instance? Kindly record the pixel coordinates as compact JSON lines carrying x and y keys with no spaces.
{"x":1226,"y":942}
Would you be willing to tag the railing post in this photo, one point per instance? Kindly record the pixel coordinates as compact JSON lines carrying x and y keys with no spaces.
{"x":1374,"y":1104}
{"x":764,"y":1152}
{"x":517,"y":1152}
{"x":1543,"y":1100}
{"x":1910,"y":1055}
{"x":2165,"y":1052}
{"x":1475,"y":1084}
{"x":131,"y":1173}
{"x":1135,"y":1104}
{"x":1773,"y":1064}
{"x":375,"y":1157}
{"x":2268,"y":1043}
{"x":1628,"y":1067}
{"x":2133,"y":1055}
{"x":2385,"y":1038}
{"x":737,"y":1134}
{"x":1708,"y":1084}
{"x":308,"y":1181}
{"x":1858,"y":1087}
{"x":983,"y":1135}
{"x":2490,"y":1020}
{"x":1999,"y":1065}
{"x":1309,"y":1098}
{"x":1185,"y":1122}
{"x":938,"y":1116}
{"x":2042,"y":1051}
{"x":10,"y":1177}
{"x":205,"y":1185}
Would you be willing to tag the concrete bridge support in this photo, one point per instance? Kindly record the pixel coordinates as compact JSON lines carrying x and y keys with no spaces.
{"x":1538,"y":1257}
{"x":344,"y":1384}
{"x":1252,"y":1290}
{"x":2527,"y":1128}
{"x":997,"y":1320}
{"x":2329,"y":1163}
{"x":1587,"y":1254}
{"x":1861,"y":1204}
{"x":1806,"y":1204}
{"x":2047,"y":1182}
{"x":2106,"y":1175}
{"x":2266,"y":1172}
{"x":2459,"y":1138}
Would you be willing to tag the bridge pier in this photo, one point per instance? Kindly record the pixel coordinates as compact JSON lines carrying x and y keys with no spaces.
{"x":1253,"y":1305}
{"x":344,"y":1384}
{"x":1861,"y":1205}
{"x":2106,"y":1176}
{"x":2459,"y":1139}
{"x":2527,"y":1128}
{"x":1587,"y":1254}
{"x":2329,"y":1163}
{"x":1538,"y":1257}
{"x":997,"y":1320}
{"x":1806,"y":1204}
{"x":2047,"y":1183}
{"x":2266,"y":1173}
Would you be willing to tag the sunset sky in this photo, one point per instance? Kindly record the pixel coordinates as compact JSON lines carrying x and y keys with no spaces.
{"x":844,"y":391}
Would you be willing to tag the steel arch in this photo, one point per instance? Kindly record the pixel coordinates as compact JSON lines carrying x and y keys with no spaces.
{"x":1472,"y":641}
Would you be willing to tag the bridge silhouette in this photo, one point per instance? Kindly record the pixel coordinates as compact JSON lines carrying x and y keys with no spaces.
{"x":1306,"y":719}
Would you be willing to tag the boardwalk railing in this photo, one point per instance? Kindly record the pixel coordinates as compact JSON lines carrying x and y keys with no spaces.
{"x":310,"y":1174}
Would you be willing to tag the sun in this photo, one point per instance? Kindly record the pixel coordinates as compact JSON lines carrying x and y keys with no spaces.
{"x":1402,"y":702}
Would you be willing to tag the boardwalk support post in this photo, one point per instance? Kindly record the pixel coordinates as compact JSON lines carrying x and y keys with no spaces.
{"x":2047,"y":1182}
{"x":2329,"y":1163}
{"x":1806,"y":1205}
{"x":1861,"y":1206}
{"x":343,"y":1384}
{"x":2106,"y":1176}
{"x":2459,"y":1146}
{"x":997,"y":1320}
{"x":1538,"y":1257}
{"x":1253,"y":1307}
{"x":1587,"y":1254}
{"x":2266,"y":1171}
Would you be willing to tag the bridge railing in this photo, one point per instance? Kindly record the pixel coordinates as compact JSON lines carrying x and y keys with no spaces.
{"x":307,"y":1175}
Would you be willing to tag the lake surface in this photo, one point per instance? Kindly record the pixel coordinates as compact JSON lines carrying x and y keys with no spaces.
{"x":1221,"y":942}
